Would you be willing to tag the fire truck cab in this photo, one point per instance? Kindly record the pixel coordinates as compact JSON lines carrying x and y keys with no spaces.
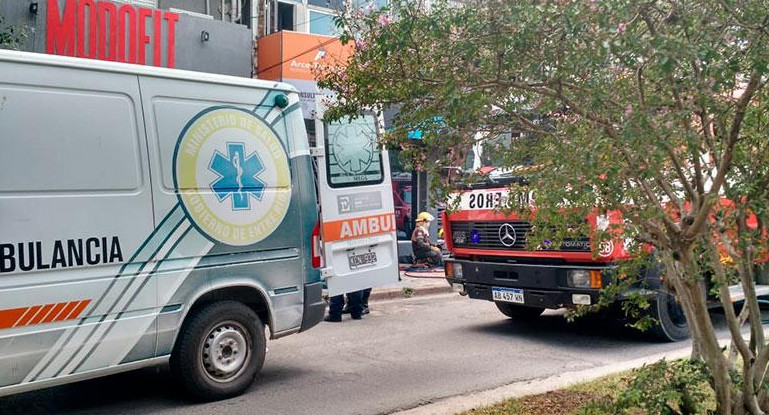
{"x":490,"y":261}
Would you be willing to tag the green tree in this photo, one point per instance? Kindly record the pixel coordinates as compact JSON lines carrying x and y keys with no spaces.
{"x":654,"y":109}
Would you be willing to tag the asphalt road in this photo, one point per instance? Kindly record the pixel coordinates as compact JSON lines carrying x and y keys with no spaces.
{"x":406,"y":352}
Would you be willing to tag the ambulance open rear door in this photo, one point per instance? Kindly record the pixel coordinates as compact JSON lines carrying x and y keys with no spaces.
{"x":357,"y":213}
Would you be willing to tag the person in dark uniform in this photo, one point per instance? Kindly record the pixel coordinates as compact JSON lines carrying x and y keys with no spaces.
{"x":366,"y":293}
{"x":354,"y":305}
{"x":424,"y":250}
{"x":364,"y":299}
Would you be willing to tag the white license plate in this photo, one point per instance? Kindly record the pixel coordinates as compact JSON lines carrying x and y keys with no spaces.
{"x":507,"y":295}
{"x":366,"y":259}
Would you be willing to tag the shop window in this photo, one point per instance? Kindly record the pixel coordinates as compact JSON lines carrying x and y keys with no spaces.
{"x":370,"y":4}
{"x":328,"y":4}
{"x":309,"y":125}
{"x":322,"y":23}
{"x":403,"y":197}
{"x":284,"y":19}
{"x":232,"y":10}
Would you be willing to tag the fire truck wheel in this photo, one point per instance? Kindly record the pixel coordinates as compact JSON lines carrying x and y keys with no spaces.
{"x":219,"y":351}
{"x":671,"y":322}
{"x":519,"y":312}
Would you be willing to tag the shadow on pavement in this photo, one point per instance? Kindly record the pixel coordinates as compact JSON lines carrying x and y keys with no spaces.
{"x":141,"y":390}
{"x":94,"y":395}
{"x":584,"y":332}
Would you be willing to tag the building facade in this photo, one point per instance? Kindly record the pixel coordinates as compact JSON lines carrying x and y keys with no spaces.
{"x":281,"y":40}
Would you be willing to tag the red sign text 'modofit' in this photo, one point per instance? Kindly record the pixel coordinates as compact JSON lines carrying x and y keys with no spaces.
{"x":111,"y":32}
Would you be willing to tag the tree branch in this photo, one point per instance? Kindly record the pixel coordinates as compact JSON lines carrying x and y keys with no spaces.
{"x":725,"y":163}
{"x":726,"y":302}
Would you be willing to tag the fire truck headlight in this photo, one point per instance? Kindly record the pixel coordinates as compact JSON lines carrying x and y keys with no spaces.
{"x":578,"y":278}
{"x":460,"y":237}
{"x":457,"y":267}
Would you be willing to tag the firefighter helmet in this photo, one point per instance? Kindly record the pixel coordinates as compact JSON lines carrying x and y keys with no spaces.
{"x":425,"y":217}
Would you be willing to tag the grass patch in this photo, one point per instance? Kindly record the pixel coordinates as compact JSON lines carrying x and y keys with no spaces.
{"x":569,"y":401}
{"x":663,"y":387}
{"x":609,"y":386}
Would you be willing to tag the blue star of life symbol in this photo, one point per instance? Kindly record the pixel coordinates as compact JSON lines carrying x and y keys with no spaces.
{"x":237,"y":176}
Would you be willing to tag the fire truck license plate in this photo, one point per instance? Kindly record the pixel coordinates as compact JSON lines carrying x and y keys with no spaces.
{"x":507,"y":295}
{"x":365,"y":259}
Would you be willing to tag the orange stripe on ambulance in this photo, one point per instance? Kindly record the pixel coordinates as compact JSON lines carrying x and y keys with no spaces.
{"x":357,"y":227}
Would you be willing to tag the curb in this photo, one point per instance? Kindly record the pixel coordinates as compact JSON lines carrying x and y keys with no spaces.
{"x":407,"y":292}
{"x":465,"y":402}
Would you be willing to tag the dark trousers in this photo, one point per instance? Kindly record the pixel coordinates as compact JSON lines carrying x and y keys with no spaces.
{"x":431,"y":257}
{"x":365,"y":296}
{"x":354,"y":302}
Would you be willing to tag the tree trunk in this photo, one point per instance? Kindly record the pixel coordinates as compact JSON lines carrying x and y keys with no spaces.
{"x":722,"y":384}
{"x":696,"y":349}
{"x":692,"y":299}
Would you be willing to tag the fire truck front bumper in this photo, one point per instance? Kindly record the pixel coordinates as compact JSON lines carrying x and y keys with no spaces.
{"x":533,"y":285}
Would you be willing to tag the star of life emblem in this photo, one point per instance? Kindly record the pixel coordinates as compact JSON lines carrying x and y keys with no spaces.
{"x":237,"y":176}
{"x":354,"y":152}
{"x":506,"y":234}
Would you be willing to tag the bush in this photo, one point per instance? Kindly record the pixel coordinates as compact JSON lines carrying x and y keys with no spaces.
{"x":668,"y":388}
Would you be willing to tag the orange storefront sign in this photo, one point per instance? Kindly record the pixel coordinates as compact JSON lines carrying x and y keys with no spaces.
{"x":292,"y":55}
{"x":358,"y":227}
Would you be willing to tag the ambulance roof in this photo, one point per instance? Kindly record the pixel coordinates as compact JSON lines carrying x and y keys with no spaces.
{"x":117,"y":67}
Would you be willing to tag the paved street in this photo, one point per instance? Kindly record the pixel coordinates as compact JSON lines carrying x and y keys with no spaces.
{"x":406,"y":352}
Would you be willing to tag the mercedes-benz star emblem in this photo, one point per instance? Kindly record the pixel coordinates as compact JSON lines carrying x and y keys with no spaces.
{"x":507,"y":235}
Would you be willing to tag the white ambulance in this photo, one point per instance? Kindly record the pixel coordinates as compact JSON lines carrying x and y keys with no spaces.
{"x":150,"y":215}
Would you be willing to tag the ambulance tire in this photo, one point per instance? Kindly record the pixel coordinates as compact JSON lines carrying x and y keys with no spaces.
{"x":519,"y":312}
{"x":670,"y":322}
{"x":219,"y":351}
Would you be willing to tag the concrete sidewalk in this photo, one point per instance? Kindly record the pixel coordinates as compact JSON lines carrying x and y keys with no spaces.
{"x":412,"y":284}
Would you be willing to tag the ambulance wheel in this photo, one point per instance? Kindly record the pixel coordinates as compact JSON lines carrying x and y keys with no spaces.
{"x":519,"y":312}
{"x":670,"y":324}
{"x":219,"y":351}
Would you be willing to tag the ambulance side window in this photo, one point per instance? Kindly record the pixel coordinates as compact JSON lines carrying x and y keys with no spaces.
{"x":352,"y":153}
{"x":84,"y":141}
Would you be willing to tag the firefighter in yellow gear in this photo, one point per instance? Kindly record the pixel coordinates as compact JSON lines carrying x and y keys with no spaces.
{"x":424,"y":250}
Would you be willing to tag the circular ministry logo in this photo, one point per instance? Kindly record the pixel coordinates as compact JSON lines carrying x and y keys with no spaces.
{"x":232,"y":176}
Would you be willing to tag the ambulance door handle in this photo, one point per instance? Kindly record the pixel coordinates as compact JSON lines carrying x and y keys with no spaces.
{"x":326,"y":273}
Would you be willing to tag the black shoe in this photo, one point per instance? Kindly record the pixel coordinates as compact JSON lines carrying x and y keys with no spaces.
{"x":357,"y":317}
{"x":345,"y":309}
{"x":365,"y":311}
{"x":333,"y":319}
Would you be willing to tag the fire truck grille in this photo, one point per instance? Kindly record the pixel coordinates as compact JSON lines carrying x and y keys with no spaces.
{"x":510,"y":235}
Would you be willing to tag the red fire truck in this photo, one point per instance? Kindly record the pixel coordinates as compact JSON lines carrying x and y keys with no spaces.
{"x":490,"y":261}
